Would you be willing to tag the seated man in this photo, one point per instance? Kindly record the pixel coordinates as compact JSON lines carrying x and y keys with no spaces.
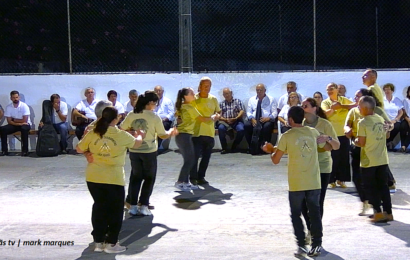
{"x":165,"y":110}
{"x":232,"y":111}
{"x":262,"y":111}
{"x":59,"y":118}
{"x":130,"y":105}
{"x":1,"y":112}
{"x":283,"y":100}
{"x":18,"y":119}
{"x":112,"y":96}
{"x":83,"y":114}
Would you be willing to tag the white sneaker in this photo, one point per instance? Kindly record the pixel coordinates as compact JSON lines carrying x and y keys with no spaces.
{"x":99,"y":247}
{"x":144,"y":210}
{"x":134,"y":210}
{"x":182,"y":186}
{"x":114,"y":248}
{"x":365,"y":208}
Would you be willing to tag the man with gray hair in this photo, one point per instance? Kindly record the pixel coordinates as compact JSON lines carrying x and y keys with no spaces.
{"x":99,"y":108}
{"x":85,"y":112}
{"x":232,"y":111}
{"x":290,"y":87}
{"x":165,"y":110}
{"x":130,"y":105}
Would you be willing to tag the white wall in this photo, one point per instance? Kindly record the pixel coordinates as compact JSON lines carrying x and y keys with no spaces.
{"x":35,"y":88}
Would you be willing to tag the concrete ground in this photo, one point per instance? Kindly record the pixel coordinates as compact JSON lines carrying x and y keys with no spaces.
{"x":242,"y":214}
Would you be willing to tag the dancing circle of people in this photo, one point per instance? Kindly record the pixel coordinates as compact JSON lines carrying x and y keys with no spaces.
{"x":318,"y":135}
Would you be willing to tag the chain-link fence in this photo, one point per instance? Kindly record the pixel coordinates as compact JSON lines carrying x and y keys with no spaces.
{"x":84,"y":36}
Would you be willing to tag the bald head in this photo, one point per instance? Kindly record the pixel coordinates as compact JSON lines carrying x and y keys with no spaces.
{"x":227,"y":93}
{"x":260,"y":90}
{"x":159,"y":90}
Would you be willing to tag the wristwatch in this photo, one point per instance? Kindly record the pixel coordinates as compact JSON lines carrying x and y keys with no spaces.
{"x":330,"y":139}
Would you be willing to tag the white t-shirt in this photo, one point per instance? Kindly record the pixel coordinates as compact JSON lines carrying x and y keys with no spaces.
{"x":63,"y":110}
{"x":119,"y":107}
{"x":18,"y":112}
{"x":284,"y":112}
{"x":89,"y":109}
{"x":129,"y":107}
{"x":392,"y":108}
{"x":406,"y":105}
{"x":283,"y":100}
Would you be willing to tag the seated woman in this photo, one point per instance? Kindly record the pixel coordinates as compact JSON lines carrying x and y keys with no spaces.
{"x":318,"y":97}
{"x":394,"y":109}
{"x":293,"y":100}
{"x":405,"y":123}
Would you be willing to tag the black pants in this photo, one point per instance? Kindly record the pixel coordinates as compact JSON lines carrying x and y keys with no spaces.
{"x":143,"y":173}
{"x":341,"y":161}
{"x":9,"y":129}
{"x":405,"y":133}
{"x":394,"y":132}
{"x":203,"y":147}
{"x":375,"y":183}
{"x":311,"y":198}
{"x":324,"y":180}
{"x":167,"y":126}
{"x":186,"y":147}
{"x":266,"y":132}
{"x":108,"y":211}
{"x":357,"y":174}
{"x":79,"y":131}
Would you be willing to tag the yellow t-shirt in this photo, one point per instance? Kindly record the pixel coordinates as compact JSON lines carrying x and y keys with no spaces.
{"x":206,"y":107}
{"x":374,"y":153}
{"x":150,"y":123}
{"x":188,"y":115}
{"x":339,"y":116}
{"x":324,"y":127}
{"x":303,"y":165}
{"x":377,"y":92}
{"x":354,"y":116}
{"x":109,"y":155}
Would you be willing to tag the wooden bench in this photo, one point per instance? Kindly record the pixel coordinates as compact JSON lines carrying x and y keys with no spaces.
{"x":17,"y":135}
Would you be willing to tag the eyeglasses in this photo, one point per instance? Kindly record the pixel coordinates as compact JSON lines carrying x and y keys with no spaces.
{"x":292,"y":97}
{"x":305,"y":106}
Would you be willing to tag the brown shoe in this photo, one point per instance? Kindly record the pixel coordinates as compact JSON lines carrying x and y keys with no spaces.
{"x":389,"y":217}
{"x":379,"y":218}
{"x":341,"y":184}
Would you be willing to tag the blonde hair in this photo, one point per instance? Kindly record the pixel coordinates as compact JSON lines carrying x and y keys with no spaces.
{"x":293,"y":94}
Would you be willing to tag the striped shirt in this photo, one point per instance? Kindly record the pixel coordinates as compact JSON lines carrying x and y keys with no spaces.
{"x":232,"y":109}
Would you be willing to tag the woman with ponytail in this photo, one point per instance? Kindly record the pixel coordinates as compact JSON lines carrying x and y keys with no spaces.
{"x":105,"y":177}
{"x":144,"y":158}
{"x":188,"y":115}
{"x":315,"y":117}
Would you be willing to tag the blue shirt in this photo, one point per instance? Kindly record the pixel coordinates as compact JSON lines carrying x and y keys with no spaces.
{"x":165,"y":109}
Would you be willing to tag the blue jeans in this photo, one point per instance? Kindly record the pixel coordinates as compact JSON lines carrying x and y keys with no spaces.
{"x":240,"y":133}
{"x":203,"y":146}
{"x":296,"y":200}
{"x":62,"y":129}
{"x":186,"y":147}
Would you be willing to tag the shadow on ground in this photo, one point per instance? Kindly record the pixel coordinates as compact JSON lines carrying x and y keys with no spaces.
{"x":134,"y":235}
{"x":196,"y":198}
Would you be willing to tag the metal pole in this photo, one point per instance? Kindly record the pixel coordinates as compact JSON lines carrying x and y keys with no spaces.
{"x":280,"y":33}
{"x":185,"y":36}
{"x":69,"y":37}
{"x":377,"y":37}
{"x":314,"y":35}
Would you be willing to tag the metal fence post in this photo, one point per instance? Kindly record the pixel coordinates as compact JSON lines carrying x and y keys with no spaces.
{"x":69,"y":37}
{"x":185,"y":36}
{"x":314,"y":35}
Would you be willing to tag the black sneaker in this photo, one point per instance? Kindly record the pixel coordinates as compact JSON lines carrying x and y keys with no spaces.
{"x":4,"y":153}
{"x":202,"y":182}
{"x":224,"y":152}
{"x":24,"y":154}
{"x":315,"y":251}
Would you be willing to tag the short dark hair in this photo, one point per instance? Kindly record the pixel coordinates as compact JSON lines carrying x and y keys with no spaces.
{"x":54,"y":96}
{"x":112,"y":92}
{"x":297,"y":114}
{"x":388,"y":85}
{"x":371,"y":103}
{"x":14,"y":92}
{"x":373,"y":71}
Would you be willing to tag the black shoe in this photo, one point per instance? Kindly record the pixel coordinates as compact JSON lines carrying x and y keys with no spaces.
{"x":63,"y":152}
{"x":315,"y":251}
{"x":224,"y":152}
{"x":24,"y":154}
{"x":4,"y":153}
{"x":202,"y":182}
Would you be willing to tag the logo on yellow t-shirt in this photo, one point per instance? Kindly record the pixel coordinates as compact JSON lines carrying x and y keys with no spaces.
{"x":378,"y":129}
{"x":305,"y":148}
